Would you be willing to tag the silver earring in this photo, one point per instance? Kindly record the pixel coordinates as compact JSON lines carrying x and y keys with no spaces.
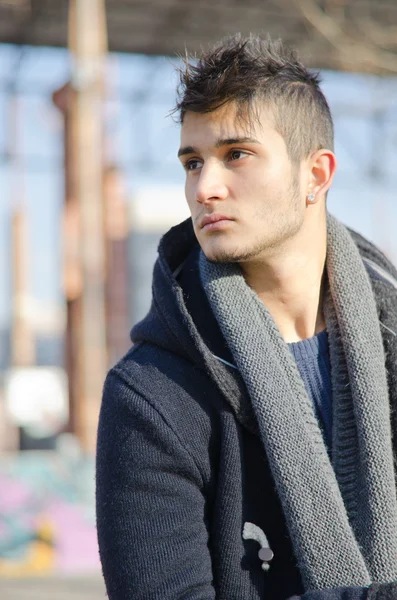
{"x":311,"y":197}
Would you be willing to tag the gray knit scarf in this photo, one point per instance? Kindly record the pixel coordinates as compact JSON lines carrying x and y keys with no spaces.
{"x":342,"y":517}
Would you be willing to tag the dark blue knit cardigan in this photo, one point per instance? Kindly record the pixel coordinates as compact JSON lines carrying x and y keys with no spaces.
{"x":179,"y":469}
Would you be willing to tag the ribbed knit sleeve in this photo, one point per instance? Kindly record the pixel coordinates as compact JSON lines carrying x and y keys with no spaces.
{"x":152,"y":535}
{"x":377,"y":591}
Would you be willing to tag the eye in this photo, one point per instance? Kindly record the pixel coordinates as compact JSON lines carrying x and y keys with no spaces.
{"x":237,"y":154}
{"x":193,"y":164}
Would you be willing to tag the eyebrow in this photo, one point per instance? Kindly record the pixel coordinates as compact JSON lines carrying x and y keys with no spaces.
{"x":219,"y":144}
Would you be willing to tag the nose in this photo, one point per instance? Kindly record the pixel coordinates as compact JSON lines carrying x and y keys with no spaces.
{"x":211,"y":185}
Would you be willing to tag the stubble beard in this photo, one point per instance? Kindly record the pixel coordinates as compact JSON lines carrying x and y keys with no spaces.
{"x":284,"y":227}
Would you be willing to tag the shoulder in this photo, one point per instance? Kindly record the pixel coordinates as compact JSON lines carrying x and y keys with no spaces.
{"x":164,"y":378}
{"x":378,"y":265}
{"x":383,"y":276}
{"x":154,"y":386}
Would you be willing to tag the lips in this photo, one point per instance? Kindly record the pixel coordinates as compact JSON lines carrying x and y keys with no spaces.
{"x":214,"y":218}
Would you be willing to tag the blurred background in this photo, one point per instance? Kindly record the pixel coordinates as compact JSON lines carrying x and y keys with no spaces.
{"x":89,"y":182}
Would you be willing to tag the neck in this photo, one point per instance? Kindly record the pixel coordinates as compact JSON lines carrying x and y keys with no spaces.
{"x":290,"y":281}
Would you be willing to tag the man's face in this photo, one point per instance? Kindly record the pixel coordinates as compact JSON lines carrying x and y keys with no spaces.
{"x":242,"y":189}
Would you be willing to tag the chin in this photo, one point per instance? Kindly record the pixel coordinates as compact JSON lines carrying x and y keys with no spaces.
{"x":223,"y":254}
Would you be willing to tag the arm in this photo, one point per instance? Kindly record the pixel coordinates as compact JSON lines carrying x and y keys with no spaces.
{"x":376,"y":591}
{"x":150,"y":507}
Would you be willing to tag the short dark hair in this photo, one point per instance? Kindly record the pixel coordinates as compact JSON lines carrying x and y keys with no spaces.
{"x":242,"y":70}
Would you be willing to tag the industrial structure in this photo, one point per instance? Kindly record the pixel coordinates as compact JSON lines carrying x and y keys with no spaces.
{"x":348,"y":35}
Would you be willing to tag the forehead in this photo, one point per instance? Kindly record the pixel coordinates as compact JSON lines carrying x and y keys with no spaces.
{"x":226,"y":122}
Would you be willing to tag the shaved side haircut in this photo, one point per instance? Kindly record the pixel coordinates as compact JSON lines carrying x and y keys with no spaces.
{"x":245,"y":70}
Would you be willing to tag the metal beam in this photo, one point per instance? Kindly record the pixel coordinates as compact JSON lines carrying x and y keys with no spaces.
{"x":87,"y":39}
{"x":355,"y":35}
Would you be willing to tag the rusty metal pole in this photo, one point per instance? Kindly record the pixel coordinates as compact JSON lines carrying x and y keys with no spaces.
{"x":72,"y":276}
{"x":23,"y":351}
{"x":22,"y":339}
{"x":117,"y":277}
{"x":87,"y":42}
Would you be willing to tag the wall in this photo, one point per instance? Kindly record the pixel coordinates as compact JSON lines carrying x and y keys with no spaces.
{"x":47,"y":518}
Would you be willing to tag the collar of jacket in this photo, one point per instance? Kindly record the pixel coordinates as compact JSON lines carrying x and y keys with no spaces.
{"x":181,"y":320}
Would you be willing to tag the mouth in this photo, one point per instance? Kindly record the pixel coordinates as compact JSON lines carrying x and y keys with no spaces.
{"x":214,"y":221}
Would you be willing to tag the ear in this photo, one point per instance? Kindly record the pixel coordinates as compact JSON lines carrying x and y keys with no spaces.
{"x":322,"y":170}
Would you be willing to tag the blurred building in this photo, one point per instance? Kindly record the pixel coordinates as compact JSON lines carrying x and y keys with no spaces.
{"x":153,"y":210}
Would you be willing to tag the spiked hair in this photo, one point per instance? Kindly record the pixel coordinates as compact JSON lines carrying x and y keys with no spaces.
{"x":244,"y":70}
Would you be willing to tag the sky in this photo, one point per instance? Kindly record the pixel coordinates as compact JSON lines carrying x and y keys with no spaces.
{"x":145,"y":141}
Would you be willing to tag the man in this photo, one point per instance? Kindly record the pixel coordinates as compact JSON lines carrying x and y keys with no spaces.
{"x":245,"y":443}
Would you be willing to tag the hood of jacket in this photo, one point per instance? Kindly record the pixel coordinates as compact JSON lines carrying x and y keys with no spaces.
{"x":181,"y":321}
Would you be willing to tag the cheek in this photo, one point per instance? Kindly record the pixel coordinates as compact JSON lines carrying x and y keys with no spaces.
{"x":257,"y":185}
{"x":277,"y":180}
{"x":190,"y":195}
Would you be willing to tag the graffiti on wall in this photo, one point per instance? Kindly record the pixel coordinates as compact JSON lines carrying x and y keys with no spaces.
{"x":47,"y":515}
